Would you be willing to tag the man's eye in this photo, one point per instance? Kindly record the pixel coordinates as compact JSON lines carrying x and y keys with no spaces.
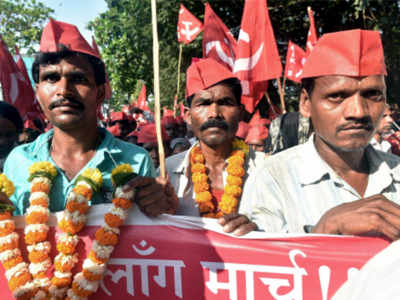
{"x":336,"y":97}
{"x":79,"y":79}
{"x":374,"y":95}
{"x":51,"y":77}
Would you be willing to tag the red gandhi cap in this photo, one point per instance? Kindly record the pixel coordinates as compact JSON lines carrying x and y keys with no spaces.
{"x":349,"y":53}
{"x":147,"y":134}
{"x":204,"y":73}
{"x":57,"y":33}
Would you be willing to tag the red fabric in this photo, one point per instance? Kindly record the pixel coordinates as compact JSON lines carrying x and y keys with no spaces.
{"x":257,"y":132}
{"x":141,"y":100}
{"x":312,"y":37}
{"x":17,"y":90}
{"x":56,"y":33}
{"x":189,"y":27}
{"x":274,"y":111}
{"x":118,"y":116}
{"x":107,"y":86}
{"x":182,"y":110}
{"x":242,"y":130}
{"x":252,"y":92}
{"x":147,"y":134}
{"x":295,"y":60}
{"x":349,"y":53}
{"x":218,"y":42}
{"x":168,"y":120}
{"x":115,"y":130}
{"x":257,"y":56}
{"x":257,"y":120}
{"x":216,"y":197}
{"x":179,"y":120}
{"x":30,"y":124}
{"x":167,"y":112}
{"x":204,"y":73}
{"x":133,"y":133}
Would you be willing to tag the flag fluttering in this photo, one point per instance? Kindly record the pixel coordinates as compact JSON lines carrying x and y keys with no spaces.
{"x":141,"y":100}
{"x":218,"y":42}
{"x":189,"y":27}
{"x":295,"y":60}
{"x":312,"y":32}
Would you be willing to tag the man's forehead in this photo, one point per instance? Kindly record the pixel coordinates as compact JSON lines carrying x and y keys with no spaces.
{"x":73,"y":63}
{"x":217,"y":91}
{"x":337,"y":81}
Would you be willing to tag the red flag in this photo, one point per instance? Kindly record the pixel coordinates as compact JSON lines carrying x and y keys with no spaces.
{"x":107,"y":86}
{"x":16,"y":89}
{"x":295,"y":59}
{"x":218,"y":42}
{"x":141,"y":100}
{"x":312,"y":32}
{"x":257,"y":56}
{"x":189,"y":27}
{"x":252,"y":92}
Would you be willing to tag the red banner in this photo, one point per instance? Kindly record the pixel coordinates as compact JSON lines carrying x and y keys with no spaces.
{"x":173,"y":257}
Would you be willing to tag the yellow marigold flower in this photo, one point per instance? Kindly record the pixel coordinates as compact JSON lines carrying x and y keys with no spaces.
{"x":199,"y":178}
{"x":240,"y":145}
{"x":239,"y":153}
{"x":228,"y":204}
{"x":6,"y":185}
{"x":233,"y":190}
{"x":94,"y":175}
{"x":198,"y":158}
{"x":201,"y":187}
{"x":206,"y":207}
{"x":198,"y":168}
{"x":236,"y":160}
{"x":122,"y":174}
{"x":235,"y":170}
{"x":234,"y":180}
{"x":203,"y":197}
{"x":43,"y":168}
{"x":124,"y":168}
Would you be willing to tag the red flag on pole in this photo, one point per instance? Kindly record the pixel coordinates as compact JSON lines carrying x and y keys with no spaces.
{"x":295,"y":59}
{"x":189,"y":27}
{"x":141,"y":100}
{"x":107,"y":86}
{"x":218,"y":42}
{"x":16,"y":89}
{"x":312,"y":32}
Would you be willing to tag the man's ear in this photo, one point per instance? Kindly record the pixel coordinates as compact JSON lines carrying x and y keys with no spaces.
{"x":305,"y":104}
{"x":100,"y":93}
{"x":187,"y":116}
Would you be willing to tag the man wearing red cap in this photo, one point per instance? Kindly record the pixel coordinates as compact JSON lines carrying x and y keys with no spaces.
{"x":208,"y":178}
{"x":335,"y":183}
{"x":70,"y":77}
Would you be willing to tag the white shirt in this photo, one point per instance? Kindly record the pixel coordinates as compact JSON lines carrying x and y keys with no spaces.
{"x":178,"y":168}
{"x":384,"y":146}
{"x":296,"y":187}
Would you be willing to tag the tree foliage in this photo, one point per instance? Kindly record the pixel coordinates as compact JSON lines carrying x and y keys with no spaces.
{"x":21,"y":23}
{"x":124,"y":34}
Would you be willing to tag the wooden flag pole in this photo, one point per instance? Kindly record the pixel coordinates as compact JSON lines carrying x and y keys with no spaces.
{"x":282,"y":96}
{"x":157,"y":106}
{"x":270,"y":102}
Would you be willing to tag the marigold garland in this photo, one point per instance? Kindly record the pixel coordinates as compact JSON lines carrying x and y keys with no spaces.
{"x":233,"y":188}
{"x":86,"y":282}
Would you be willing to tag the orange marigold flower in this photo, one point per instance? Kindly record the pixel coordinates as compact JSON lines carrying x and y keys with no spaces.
{"x":7,"y":229}
{"x":61,"y":282}
{"x":65,"y":248}
{"x":236,"y":160}
{"x":91,"y":276}
{"x":201,"y":187}
{"x":60,"y":267}
{"x":27,"y":295}
{"x":199,"y":178}
{"x":239,"y":153}
{"x":40,"y":201}
{"x":76,"y":206}
{"x":206,"y":207}
{"x":79,"y":291}
{"x":9,"y":246}
{"x":234,"y":180}
{"x":208,"y":215}
{"x":83,"y":190}
{"x":40,"y":187}
{"x":106,"y":237}
{"x":122,"y":203}
{"x":235,"y":170}
{"x":92,"y":255}
{"x":198,"y":168}
{"x":37,"y":256}
{"x":233,"y":190}
{"x":5,"y":215}
{"x":36,"y":217}
{"x":18,"y":281}
{"x":197,"y":158}
{"x":40,"y":275}
{"x":203,"y":197}
{"x":12,"y":262}
{"x":69,"y":227}
{"x":113,"y":220}
{"x":228,"y":204}
{"x":34,"y":237}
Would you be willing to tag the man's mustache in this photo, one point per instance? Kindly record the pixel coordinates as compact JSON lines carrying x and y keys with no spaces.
{"x":63,"y":101}
{"x":214,"y":123}
{"x":365,"y":123}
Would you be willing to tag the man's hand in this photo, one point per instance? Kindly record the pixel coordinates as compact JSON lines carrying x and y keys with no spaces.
{"x":236,"y":224}
{"x":375,"y":215}
{"x":154,"y":196}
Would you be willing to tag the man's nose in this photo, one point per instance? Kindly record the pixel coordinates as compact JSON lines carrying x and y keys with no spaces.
{"x":214,"y":111}
{"x":356,"y":107}
{"x":63,"y":87}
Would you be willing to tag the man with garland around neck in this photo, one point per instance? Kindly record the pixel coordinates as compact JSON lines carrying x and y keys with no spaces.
{"x":335,"y":183}
{"x":70,"y":77}
{"x":208,"y":177}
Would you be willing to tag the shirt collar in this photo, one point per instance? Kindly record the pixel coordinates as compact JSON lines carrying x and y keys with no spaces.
{"x":183,"y":166}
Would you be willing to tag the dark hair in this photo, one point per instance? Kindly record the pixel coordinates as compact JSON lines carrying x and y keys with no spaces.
{"x":9,"y":112}
{"x":51,"y":58}
{"x":308,"y":85}
{"x":233,"y":83}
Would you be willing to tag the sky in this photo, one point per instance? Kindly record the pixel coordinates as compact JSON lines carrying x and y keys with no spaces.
{"x":77,"y":12}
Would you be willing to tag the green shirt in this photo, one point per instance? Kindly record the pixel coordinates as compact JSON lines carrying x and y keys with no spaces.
{"x":110,"y":153}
